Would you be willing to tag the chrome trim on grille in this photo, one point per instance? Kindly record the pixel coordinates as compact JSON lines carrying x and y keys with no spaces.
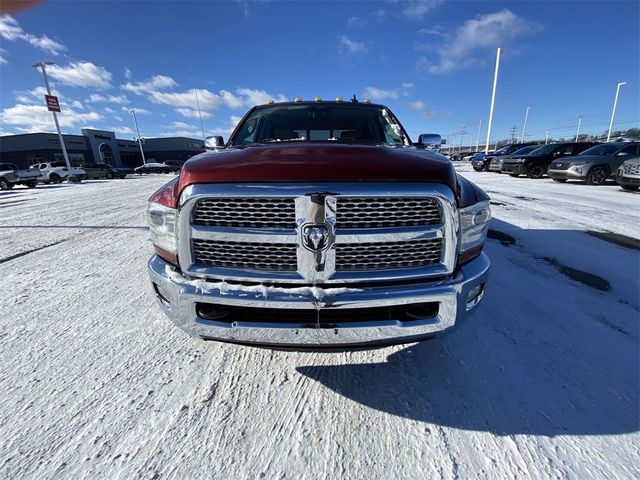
{"x":317,"y":203}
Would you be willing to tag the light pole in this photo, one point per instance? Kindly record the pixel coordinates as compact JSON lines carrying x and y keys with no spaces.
{"x":463,"y":131}
{"x":135,"y":120}
{"x":524,"y":128}
{"x":546,"y":139}
{"x":578,"y":130}
{"x":42,"y":65}
{"x":200,"y":115}
{"x":449,"y":139}
{"x":478,"y":137}
{"x":613,"y":112}
{"x":493,"y":99}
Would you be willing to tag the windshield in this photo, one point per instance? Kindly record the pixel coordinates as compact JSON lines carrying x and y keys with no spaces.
{"x":526,"y":150}
{"x":502,"y":150}
{"x":544,"y":149}
{"x":349,"y":123}
{"x":604,"y":149}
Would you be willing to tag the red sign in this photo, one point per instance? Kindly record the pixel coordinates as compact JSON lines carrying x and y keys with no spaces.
{"x":52,"y":103}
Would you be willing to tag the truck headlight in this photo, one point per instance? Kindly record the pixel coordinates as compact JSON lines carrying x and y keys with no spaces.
{"x":474,"y":223}
{"x":162,"y":226}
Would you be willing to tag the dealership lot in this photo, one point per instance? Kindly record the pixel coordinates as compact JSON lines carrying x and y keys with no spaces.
{"x":542,"y":381}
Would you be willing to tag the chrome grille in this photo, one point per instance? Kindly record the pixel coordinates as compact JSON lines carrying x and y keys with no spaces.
{"x":245,"y":212}
{"x":386,"y":212}
{"x":245,"y":255}
{"x":387,"y":256}
{"x":632,"y":168}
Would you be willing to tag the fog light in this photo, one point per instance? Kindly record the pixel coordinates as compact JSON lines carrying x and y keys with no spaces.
{"x":474,"y":296}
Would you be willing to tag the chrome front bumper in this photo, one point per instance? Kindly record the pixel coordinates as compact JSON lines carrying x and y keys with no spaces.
{"x":178,"y":297}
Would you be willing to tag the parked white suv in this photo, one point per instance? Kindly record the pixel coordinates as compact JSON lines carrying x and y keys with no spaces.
{"x":56,"y":172}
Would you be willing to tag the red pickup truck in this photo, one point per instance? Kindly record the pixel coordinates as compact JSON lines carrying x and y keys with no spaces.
{"x":318,"y":224}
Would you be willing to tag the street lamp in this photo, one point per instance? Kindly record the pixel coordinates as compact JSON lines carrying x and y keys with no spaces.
{"x":493,"y":99}
{"x":613,"y":112}
{"x":579,"y":123}
{"x":42,"y":65}
{"x":135,"y":120}
{"x":524,"y":128}
{"x":546,"y":138}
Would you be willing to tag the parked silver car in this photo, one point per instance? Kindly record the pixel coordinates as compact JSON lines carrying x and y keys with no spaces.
{"x":595,"y":165}
{"x":628,"y":174}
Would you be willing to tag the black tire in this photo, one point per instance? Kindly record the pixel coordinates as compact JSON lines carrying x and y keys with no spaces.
{"x":559,"y":180}
{"x":478,"y":169}
{"x":536,"y":171}
{"x":597,"y":176}
{"x":514,"y":175}
{"x":109,"y":175}
{"x":5,"y":184}
{"x":32,"y":184}
{"x":630,"y":188}
{"x":55,"y":178}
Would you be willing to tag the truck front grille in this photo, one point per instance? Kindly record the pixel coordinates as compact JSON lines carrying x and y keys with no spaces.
{"x":245,"y":255}
{"x":386,"y":212}
{"x":387,"y":256}
{"x":313,"y":234}
{"x":246,"y":212}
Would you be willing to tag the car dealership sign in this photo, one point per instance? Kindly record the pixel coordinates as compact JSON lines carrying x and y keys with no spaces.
{"x":52,"y":103}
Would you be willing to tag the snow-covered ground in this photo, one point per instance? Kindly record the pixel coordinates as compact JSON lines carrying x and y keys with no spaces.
{"x":541,"y":382}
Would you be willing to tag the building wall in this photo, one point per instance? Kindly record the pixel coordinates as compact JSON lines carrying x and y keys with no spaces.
{"x":94,"y":146}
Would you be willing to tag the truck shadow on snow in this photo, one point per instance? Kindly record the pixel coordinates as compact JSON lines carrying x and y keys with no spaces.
{"x":545,"y":354}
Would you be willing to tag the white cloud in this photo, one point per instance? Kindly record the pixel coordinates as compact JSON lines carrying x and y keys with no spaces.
{"x":2,"y":55}
{"x":109,"y":110}
{"x":157,"y":82}
{"x":139,"y":111}
{"x":420,"y":107}
{"x":485,"y":32}
{"x":258,"y":97}
{"x":419,"y":8}
{"x":434,"y":30}
{"x":81,"y":74}
{"x":11,"y":30}
{"x":351,"y":47}
{"x":76,"y":104}
{"x":122,"y":130}
{"x":380,"y":94}
{"x":244,"y":97}
{"x":127,"y":73}
{"x":356,"y":22}
{"x":193,"y":113}
{"x":97,"y":98}
{"x":36,"y":118}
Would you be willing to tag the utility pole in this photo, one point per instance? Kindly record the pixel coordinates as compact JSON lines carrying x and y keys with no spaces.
{"x":200,"y":115}
{"x":613,"y":112}
{"x":478,"y":138}
{"x":493,"y":99}
{"x":524,"y":128}
{"x":578,"y":131}
{"x":514,"y":129}
{"x":42,"y":65}
{"x":133,"y":111}
{"x":463,"y":131}
{"x":449,"y":139}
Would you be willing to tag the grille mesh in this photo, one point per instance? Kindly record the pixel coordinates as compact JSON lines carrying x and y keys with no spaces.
{"x":249,"y":256}
{"x":385,"y":212}
{"x":246,"y":212}
{"x":632,"y":168}
{"x":387,"y":256}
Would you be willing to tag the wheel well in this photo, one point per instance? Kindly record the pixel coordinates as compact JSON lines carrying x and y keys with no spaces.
{"x":603,"y":165}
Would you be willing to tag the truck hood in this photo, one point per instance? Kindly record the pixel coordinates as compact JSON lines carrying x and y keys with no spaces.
{"x":319,"y":162}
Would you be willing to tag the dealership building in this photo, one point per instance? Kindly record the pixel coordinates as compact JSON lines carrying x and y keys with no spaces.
{"x":94,"y":146}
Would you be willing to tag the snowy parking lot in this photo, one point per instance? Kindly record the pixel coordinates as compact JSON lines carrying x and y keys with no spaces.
{"x":542,"y":381}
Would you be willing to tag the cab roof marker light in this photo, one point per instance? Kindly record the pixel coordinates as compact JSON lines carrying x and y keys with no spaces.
{"x":317,"y":99}
{"x":339,"y":99}
{"x":366,"y":100}
{"x":297,"y":100}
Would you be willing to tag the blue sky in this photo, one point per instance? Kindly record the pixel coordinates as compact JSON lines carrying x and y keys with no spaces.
{"x":430,"y":61}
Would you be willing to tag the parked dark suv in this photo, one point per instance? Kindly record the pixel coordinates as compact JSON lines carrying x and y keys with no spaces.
{"x":481,"y":162}
{"x":102,"y":170}
{"x":595,"y":165}
{"x":536,"y":164}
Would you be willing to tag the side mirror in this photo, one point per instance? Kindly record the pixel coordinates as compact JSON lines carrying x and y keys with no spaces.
{"x":214,"y":142}
{"x":430,"y":140}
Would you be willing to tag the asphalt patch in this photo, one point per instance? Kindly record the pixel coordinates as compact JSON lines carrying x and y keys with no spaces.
{"x":585,"y":278}
{"x":505,"y":239}
{"x":616,"y":239}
